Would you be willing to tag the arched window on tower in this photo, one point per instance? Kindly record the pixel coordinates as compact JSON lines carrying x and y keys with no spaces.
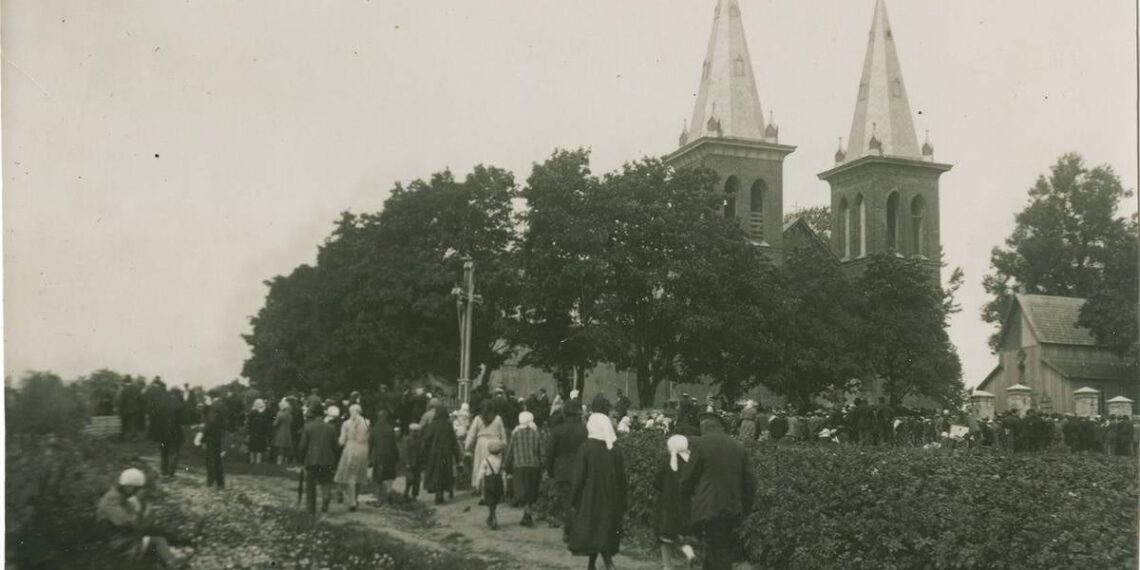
{"x":859,"y":232}
{"x":893,"y":222}
{"x":756,"y":213}
{"x":844,"y":229}
{"x":918,"y":226}
{"x":731,"y":191}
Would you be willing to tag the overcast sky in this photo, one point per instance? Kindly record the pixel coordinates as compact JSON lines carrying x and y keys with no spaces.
{"x":163,"y":158}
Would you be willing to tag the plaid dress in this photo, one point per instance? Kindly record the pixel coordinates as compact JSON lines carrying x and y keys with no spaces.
{"x":523,"y":460}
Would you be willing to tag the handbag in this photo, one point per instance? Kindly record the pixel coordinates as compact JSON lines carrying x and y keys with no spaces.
{"x":492,"y":484}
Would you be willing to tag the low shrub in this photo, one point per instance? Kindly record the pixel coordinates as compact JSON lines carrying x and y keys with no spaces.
{"x":828,"y":506}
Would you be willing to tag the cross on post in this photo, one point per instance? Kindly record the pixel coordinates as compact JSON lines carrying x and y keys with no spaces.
{"x":465,"y":300}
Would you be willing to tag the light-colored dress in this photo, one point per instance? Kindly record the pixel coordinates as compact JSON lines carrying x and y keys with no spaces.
{"x":479,"y":438}
{"x":353,"y":467}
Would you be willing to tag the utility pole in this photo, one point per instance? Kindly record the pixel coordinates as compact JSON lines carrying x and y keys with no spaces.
{"x":465,"y":299}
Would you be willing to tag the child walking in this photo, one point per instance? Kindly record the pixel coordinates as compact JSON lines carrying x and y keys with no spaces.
{"x":410,"y":457}
{"x":491,"y":471}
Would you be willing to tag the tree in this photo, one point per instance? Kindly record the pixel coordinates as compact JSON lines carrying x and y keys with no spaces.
{"x":560,"y":255}
{"x":1110,"y":312}
{"x":818,"y":218}
{"x":377,"y":306}
{"x":902,"y":336}
{"x":1064,"y":239}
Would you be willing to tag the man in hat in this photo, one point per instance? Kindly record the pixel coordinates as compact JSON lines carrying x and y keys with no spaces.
{"x":318,"y":451}
{"x":565,"y":439}
{"x":720,"y":482}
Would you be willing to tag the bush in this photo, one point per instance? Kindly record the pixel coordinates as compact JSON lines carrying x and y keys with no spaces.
{"x":823,"y":506}
{"x":44,"y":405}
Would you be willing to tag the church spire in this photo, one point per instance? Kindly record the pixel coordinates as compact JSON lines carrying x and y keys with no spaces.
{"x":727,"y":98}
{"x":883,"y":124}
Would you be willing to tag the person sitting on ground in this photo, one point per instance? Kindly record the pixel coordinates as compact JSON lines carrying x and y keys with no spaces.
{"x":491,"y":471}
{"x":125,"y":513}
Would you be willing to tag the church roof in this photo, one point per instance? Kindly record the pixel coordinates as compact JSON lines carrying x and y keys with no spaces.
{"x":1092,"y":369}
{"x":1054,"y":319}
{"x":727,"y":102}
{"x":883,"y":123}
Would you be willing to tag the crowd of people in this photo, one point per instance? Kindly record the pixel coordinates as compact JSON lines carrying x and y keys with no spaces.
{"x":503,"y":452}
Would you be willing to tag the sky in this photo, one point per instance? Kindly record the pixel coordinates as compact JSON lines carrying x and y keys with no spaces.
{"x":162,"y":159}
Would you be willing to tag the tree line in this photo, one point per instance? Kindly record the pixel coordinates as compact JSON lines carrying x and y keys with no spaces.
{"x":637,"y":267}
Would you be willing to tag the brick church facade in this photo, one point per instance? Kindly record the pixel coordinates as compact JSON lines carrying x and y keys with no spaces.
{"x":884,"y":185}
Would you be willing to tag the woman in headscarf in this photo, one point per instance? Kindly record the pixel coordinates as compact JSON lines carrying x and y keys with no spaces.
{"x":747,"y":431}
{"x":487,"y":427}
{"x":352,"y":469}
{"x":461,"y":421}
{"x":625,"y":425}
{"x":524,"y":462}
{"x":597,"y":494}
{"x":440,"y":454}
{"x":259,"y":428}
{"x":283,"y":432}
{"x":384,"y":455}
{"x":125,"y":515}
{"x":671,"y":516}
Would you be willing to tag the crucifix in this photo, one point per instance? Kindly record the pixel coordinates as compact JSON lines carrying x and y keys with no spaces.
{"x":465,"y":300}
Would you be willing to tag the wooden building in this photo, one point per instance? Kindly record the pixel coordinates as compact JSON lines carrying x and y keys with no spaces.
{"x":1042,"y":347}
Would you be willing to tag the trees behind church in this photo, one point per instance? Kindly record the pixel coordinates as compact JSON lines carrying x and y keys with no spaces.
{"x":1070,"y":241}
{"x":637,"y":268}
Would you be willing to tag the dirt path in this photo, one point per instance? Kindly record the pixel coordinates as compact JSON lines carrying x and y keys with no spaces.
{"x":459,"y":524}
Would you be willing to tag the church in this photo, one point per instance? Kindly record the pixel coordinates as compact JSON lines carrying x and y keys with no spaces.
{"x":884,"y":186}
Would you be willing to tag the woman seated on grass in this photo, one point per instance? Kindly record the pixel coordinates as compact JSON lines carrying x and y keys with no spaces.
{"x":123,"y":510}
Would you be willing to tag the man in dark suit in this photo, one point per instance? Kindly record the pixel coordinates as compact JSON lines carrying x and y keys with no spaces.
{"x":565,"y":439}
{"x":720,"y":482}
{"x":213,"y":432}
{"x":318,"y":449}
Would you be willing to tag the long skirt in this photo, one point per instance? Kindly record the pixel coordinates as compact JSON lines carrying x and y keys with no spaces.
{"x":480,"y":455}
{"x":747,"y":430}
{"x":527,"y":481}
{"x":353,"y":466}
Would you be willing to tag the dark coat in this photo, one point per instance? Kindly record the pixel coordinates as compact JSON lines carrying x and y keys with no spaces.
{"x":318,"y":444}
{"x":672,"y":511}
{"x":214,"y":423}
{"x":260,"y":427}
{"x":598,"y":497}
{"x":384,"y":454}
{"x":170,"y":417}
{"x":565,"y":439}
{"x":440,"y":453}
{"x":719,"y":479}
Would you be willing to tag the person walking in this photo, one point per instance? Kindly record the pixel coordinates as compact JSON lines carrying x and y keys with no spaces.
{"x":524,"y":463}
{"x":720,"y":483}
{"x":671,"y":513}
{"x":213,"y":433}
{"x":491,"y":470}
{"x":486,"y":428}
{"x":411,"y":458}
{"x":598,"y":494}
{"x":318,"y":455}
{"x":383,"y":456}
{"x":748,"y":415}
{"x":562,"y":449}
{"x":283,"y":433}
{"x":440,"y":454}
{"x":170,"y":418}
{"x":352,"y":469}
{"x":259,"y":426}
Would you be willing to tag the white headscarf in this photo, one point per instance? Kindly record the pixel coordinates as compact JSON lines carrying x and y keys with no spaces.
{"x":526,"y":421}
{"x":259,"y":405}
{"x":623,"y":425}
{"x":600,"y":427}
{"x":573,"y":394}
{"x":678,"y":446}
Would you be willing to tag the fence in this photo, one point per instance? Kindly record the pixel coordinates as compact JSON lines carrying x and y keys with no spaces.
{"x":103,"y":426}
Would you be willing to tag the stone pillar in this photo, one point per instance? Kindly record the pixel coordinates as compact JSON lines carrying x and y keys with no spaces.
{"x":1120,"y":406}
{"x":982,"y":404}
{"x":1019,"y":397}
{"x":1085,"y":402}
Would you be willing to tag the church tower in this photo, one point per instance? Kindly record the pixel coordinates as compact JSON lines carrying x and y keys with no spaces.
{"x":728,"y":134}
{"x":884,"y":187}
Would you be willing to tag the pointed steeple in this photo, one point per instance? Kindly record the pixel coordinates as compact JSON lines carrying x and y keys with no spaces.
{"x":882,"y":112}
{"x":727,"y":99}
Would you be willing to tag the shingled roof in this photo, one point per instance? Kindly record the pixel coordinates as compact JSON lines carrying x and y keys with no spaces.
{"x":1091,"y":369}
{"x":1054,"y":319}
